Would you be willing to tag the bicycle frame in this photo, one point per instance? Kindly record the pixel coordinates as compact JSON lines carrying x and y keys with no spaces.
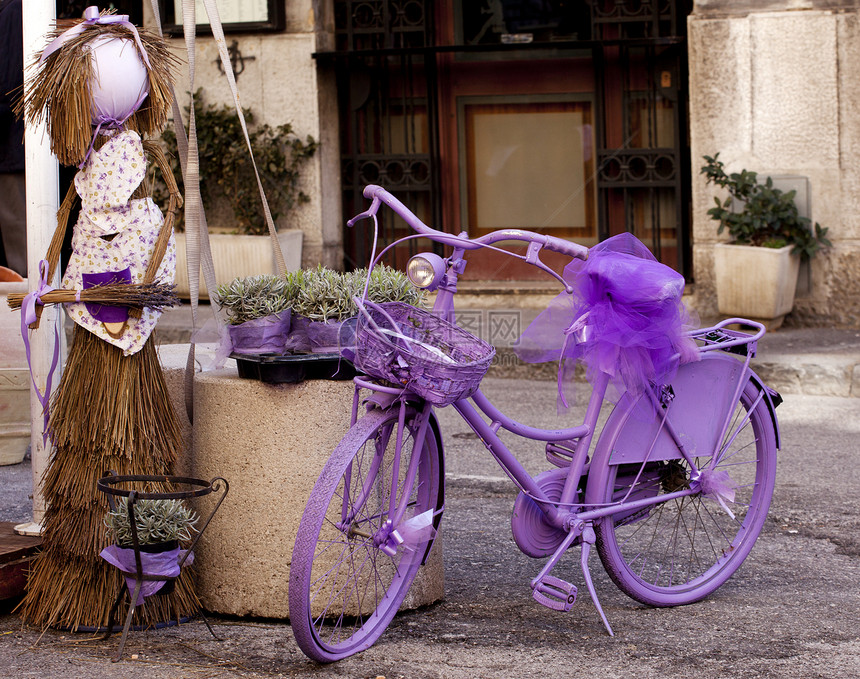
{"x":569,"y":513}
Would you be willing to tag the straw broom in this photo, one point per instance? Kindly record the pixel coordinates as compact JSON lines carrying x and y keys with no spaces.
{"x":156,"y":296}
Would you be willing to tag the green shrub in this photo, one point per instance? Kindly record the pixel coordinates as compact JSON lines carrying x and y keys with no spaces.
{"x":226,"y":170}
{"x":768,"y":216}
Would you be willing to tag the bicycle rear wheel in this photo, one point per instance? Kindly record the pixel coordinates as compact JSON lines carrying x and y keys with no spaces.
{"x":682,"y":550}
{"x":349,"y":574}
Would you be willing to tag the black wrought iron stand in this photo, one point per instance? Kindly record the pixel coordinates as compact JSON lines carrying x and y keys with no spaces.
{"x":110,"y":485}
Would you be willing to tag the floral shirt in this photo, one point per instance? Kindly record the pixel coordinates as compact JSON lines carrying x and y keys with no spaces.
{"x":105,"y":185}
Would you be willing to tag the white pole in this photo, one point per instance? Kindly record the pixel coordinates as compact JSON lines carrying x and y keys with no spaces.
{"x":42,"y":203}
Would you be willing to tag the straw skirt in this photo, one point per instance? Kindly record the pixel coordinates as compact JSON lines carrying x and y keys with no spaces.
{"x":110,"y":412}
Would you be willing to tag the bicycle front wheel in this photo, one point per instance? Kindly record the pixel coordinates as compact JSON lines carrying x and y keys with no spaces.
{"x":351,"y":566}
{"x":682,"y":550}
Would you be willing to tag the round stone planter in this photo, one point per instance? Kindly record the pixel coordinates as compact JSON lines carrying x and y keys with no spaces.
{"x":271,"y":441}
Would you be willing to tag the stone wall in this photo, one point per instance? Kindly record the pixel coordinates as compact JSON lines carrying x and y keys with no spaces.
{"x":774,"y":88}
{"x":280,"y":83}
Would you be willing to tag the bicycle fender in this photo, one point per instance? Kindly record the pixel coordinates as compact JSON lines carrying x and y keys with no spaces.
{"x":772,"y":398}
{"x":436,"y":431}
{"x":703,"y":395}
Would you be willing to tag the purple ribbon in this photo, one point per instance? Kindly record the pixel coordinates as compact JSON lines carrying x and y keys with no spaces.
{"x":93,"y":18}
{"x":28,"y":316}
{"x":109,"y":123}
{"x":161,"y":564}
{"x":580,"y":331}
{"x":719,"y":486}
{"x":410,"y":534}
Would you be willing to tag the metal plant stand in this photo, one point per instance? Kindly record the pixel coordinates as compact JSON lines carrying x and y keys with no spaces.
{"x":109,"y":484}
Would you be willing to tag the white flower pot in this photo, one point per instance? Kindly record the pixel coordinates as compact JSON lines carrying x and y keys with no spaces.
{"x":755,"y":282}
{"x":14,"y":381}
{"x":238,"y":256}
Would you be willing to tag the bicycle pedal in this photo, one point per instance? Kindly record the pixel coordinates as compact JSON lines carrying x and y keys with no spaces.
{"x":554,"y":593}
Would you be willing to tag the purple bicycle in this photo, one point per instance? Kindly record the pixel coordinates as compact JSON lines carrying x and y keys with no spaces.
{"x":673,"y":490}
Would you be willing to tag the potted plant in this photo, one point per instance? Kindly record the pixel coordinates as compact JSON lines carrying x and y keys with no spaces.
{"x":321,"y":326}
{"x":258,"y":313}
{"x":228,"y":183}
{"x":323,"y":304}
{"x":756,"y":273}
{"x":161,"y":525}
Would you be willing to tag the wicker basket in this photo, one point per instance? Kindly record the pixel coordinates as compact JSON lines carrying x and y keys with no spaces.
{"x":431,"y":357}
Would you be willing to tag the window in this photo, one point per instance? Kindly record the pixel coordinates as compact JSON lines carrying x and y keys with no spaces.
{"x":509,"y":147}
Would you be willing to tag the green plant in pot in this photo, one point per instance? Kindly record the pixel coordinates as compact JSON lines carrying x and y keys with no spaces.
{"x":158,"y":522}
{"x":322,"y":311}
{"x":756,"y":273}
{"x":323,"y":304}
{"x":226,"y":172}
{"x":161,"y":525}
{"x":238,"y":228}
{"x":258,"y":313}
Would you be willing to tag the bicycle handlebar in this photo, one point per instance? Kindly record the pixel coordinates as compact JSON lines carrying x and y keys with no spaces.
{"x":379,"y":195}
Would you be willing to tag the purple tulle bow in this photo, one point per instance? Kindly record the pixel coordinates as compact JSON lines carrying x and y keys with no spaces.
{"x":625,"y":318}
{"x":410,"y":534}
{"x":718,"y":486}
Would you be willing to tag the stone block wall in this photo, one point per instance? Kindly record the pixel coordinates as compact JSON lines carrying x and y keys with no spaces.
{"x":774,"y":88}
{"x":280,"y":83}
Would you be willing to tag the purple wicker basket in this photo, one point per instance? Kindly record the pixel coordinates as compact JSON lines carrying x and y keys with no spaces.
{"x":405,"y":345}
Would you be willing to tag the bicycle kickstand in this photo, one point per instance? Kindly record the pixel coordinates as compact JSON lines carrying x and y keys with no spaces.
{"x":588,"y":539}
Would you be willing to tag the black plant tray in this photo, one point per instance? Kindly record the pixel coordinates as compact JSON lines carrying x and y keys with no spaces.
{"x":293,"y":368}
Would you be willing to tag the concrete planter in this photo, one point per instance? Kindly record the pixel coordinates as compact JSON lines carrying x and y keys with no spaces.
{"x":270,"y":441}
{"x":754,"y":282}
{"x":238,"y":255}
{"x":14,"y":381}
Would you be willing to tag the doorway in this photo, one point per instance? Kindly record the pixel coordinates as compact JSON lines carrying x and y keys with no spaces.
{"x":562,"y":118}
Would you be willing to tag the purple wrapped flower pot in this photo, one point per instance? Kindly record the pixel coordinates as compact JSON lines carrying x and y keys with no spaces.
{"x":264,"y":335}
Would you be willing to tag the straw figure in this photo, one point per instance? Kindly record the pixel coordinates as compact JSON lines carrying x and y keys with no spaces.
{"x":101,"y":85}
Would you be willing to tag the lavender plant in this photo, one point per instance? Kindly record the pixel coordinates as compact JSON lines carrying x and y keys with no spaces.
{"x":161,"y":520}
{"x":246,"y":299}
{"x":324,"y":295}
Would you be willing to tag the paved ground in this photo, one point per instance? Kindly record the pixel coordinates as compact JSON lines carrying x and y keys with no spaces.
{"x":791,"y":611}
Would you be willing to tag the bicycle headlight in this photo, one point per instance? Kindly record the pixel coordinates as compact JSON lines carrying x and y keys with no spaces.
{"x":426,"y":270}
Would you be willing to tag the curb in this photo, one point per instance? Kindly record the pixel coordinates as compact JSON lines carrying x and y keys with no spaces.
{"x":813,"y":376}
{"x":806,"y":374}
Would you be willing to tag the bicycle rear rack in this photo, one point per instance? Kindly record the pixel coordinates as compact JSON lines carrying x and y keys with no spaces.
{"x":729,"y":339}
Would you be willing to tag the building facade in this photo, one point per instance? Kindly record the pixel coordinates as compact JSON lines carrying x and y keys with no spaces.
{"x":577,"y":119}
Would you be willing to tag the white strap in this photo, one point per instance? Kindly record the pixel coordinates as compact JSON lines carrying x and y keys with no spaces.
{"x":198,"y":249}
{"x":218,"y":34}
